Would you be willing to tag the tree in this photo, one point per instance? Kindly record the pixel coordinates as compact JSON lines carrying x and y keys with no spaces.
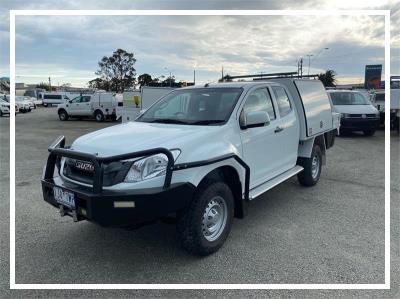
{"x":169,"y":81}
{"x":144,"y":79}
{"x":43,"y":85}
{"x":99,"y":83}
{"x":118,"y":70}
{"x":328,"y":78}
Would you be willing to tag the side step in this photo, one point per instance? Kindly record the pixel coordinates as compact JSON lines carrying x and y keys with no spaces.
{"x":257,"y":191}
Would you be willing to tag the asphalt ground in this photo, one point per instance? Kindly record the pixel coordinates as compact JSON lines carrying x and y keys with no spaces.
{"x":330,"y":233}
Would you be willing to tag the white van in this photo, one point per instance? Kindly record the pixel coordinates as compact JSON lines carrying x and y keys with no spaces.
{"x":357,"y":112}
{"x":51,"y":98}
{"x":97,"y":105}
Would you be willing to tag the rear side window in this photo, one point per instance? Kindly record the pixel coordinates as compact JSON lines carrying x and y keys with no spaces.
{"x":260,"y":100}
{"x":52,"y":97}
{"x":282,"y":100}
{"x":85,"y":99}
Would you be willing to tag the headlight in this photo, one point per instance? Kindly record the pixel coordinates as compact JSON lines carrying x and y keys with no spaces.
{"x":344,"y":115}
{"x":149,"y":167}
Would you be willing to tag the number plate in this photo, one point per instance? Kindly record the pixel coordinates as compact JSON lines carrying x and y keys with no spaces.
{"x":64,"y":197}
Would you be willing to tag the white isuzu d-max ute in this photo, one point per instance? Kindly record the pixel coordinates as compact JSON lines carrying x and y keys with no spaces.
{"x":199,"y":154}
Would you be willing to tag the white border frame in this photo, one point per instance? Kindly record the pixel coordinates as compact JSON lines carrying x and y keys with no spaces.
{"x":14,"y":13}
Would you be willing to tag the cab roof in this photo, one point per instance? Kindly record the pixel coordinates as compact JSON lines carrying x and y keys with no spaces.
{"x":241,"y":84}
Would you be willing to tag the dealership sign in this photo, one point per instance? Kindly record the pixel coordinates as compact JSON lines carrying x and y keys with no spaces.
{"x":373,"y":76}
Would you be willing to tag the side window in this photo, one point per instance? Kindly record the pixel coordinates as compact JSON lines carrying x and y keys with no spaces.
{"x":260,"y":100}
{"x":85,"y":99}
{"x":76,"y":100}
{"x":282,"y":100}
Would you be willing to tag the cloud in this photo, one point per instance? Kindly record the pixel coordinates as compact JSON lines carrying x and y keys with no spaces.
{"x":240,"y":44}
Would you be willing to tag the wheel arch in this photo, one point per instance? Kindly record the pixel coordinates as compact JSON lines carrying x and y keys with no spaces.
{"x":97,"y":110}
{"x":231,"y":177}
{"x":306,"y":146}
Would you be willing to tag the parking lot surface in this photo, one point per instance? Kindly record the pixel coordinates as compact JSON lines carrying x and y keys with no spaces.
{"x":330,"y":233}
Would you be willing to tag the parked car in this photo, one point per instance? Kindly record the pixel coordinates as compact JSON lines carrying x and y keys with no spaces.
{"x":4,"y":108}
{"x":23,"y":105}
{"x":200,"y":154}
{"x":31,"y":101}
{"x":101,"y":106}
{"x":394,"y":111}
{"x":35,"y":94}
{"x":357,"y":112}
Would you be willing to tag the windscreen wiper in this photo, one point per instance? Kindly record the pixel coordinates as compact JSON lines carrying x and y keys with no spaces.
{"x":168,"y":121}
{"x":208,"y":122}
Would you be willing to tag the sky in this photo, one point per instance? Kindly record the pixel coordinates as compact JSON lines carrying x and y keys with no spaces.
{"x":68,"y":48}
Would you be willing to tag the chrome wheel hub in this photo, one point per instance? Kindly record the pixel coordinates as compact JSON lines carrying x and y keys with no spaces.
{"x":315,"y":167}
{"x":214,"y":218}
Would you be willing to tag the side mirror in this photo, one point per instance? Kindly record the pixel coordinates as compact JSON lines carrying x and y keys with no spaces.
{"x":255,"y":119}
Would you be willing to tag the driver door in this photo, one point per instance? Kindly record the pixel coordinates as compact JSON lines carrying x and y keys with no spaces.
{"x":261,"y":149}
{"x":74,"y":106}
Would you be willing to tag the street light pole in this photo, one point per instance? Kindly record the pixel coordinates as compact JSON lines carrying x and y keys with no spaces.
{"x":315,"y":57}
{"x":170,"y":76}
{"x":309,"y":62}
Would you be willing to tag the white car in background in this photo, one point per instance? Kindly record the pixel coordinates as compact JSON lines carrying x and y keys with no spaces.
{"x":4,"y":108}
{"x":23,"y":105}
{"x":31,"y":100}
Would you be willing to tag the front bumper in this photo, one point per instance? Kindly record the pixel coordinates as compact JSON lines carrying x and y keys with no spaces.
{"x":359,"y":124}
{"x":149,"y":204}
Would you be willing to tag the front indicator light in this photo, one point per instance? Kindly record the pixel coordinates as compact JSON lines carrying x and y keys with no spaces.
{"x":124,"y":204}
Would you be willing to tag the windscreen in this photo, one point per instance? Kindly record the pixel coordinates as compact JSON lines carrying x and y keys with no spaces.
{"x":198,"y":106}
{"x":348,"y":98}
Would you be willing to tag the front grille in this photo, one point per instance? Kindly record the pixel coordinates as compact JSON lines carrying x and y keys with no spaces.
{"x":113,"y":173}
{"x":361,"y":115}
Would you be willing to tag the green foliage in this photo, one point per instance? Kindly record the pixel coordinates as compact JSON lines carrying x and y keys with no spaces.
{"x":144,"y":79}
{"x":116,"y":72}
{"x":328,"y":78}
{"x":43,"y":85}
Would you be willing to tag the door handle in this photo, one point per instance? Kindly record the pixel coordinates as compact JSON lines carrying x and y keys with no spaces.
{"x":278,"y":129}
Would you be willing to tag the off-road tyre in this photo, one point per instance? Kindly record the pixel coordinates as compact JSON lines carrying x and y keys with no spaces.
{"x":190,"y":225}
{"x":308,"y":177}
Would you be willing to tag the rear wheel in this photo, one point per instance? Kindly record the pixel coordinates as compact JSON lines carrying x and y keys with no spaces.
{"x":99,"y":116}
{"x":206,"y":223}
{"x":63,"y":115}
{"x":312,"y":168}
{"x":369,"y":132}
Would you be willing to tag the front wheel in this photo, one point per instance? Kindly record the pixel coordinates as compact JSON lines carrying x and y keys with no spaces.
{"x":63,"y":115}
{"x":206,"y":223}
{"x":312,"y":168}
